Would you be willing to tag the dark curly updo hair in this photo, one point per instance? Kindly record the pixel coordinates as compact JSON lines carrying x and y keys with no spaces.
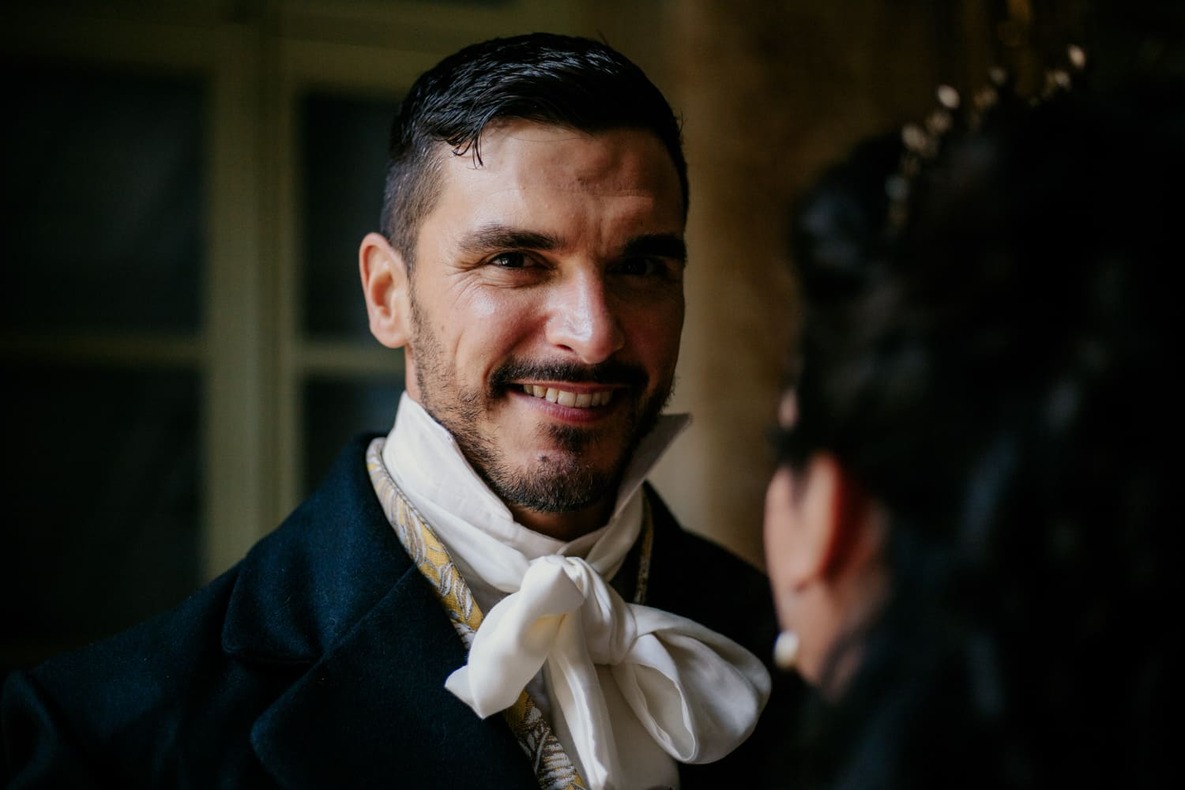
{"x":991,"y":356}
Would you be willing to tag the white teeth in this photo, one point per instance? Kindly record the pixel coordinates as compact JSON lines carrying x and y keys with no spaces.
{"x":580,"y":400}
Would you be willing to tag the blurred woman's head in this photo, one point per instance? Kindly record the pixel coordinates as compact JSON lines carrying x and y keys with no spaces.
{"x":971,"y":523}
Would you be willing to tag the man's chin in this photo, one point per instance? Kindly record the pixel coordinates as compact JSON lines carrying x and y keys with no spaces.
{"x":560,"y":482}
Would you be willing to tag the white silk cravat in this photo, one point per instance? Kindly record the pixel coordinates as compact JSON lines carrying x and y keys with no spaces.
{"x":696,"y":693}
{"x":632,"y":689}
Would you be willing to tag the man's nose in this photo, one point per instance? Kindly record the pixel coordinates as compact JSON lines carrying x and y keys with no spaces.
{"x":583,"y":319}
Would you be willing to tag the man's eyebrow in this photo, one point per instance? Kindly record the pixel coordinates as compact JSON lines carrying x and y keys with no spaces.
{"x":661,"y":245}
{"x":494,"y":237}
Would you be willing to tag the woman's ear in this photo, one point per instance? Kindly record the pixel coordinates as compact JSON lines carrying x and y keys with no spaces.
{"x":385,"y":285}
{"x":839,"y":522}
{"x":824,"y":552}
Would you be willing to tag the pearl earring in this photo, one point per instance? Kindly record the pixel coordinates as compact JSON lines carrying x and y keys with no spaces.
{"x":786,"y":650}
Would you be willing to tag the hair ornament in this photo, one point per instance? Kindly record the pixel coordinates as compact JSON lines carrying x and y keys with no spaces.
{"x":923,"y":142}
{"x":948,"y":97}
{"x":1061,"y":78}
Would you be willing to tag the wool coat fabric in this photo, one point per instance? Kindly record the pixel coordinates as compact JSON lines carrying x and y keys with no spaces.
{"x":319,"y":661}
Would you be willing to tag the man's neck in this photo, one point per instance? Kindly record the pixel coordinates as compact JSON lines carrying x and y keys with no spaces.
{"x":565,"y":526}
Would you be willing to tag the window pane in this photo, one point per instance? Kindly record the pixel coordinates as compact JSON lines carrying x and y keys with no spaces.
{"x":335,"y":411}
{"x":101,"y":190}
{"x":343,"y":163}
{"x":102,"y":521}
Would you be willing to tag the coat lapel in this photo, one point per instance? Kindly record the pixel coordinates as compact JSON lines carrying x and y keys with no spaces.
{"x":332,"y":600}
{"x":374,"y":710}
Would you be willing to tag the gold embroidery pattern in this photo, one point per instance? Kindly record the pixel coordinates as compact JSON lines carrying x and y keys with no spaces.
{"x":553,"y":768}
{"x":644,"y":560}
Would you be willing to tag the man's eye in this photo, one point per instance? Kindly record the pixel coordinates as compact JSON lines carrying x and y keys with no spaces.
{"x":641,"y":267}
{"x":510,"y":260}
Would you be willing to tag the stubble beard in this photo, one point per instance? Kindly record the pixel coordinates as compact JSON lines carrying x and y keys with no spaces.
{"x":553,"y":482}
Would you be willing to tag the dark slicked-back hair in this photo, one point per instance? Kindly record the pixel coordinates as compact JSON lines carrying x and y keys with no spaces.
{"x":552,"y":79}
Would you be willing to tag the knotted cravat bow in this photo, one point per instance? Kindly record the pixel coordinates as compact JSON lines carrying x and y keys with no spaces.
{"x":614,"y":667}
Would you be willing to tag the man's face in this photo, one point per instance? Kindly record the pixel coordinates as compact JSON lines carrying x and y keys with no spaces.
{"x":546,"y":305}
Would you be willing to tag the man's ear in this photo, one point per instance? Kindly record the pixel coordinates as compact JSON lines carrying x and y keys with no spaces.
{"x":840,"y":522}
{"x":385,"y":285}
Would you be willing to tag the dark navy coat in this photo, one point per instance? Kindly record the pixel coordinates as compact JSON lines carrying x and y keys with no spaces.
{"x":319,"y":661}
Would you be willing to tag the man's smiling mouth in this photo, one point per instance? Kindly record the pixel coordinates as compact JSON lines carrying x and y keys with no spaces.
{"x":579,"y":400}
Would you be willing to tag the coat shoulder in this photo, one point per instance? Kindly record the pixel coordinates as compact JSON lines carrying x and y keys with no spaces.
{"x":192,"y":680}
{"x":123,"y":695}
{"x":697,"y":578}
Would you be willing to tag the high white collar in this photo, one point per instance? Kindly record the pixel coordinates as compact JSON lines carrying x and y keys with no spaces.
{"x":491,"y":549}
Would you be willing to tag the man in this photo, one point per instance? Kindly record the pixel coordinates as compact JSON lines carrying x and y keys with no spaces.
{"x":488,"y":596}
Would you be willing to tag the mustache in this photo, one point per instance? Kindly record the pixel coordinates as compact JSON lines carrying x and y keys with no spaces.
{"x":608,"y":372}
